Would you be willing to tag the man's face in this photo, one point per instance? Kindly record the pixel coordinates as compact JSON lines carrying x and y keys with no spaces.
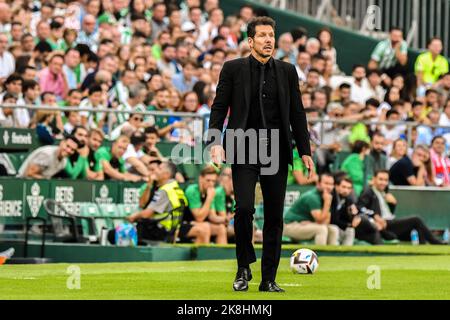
{"x":82,"y":135}
{"x":68,"y":148}
{"x":246,"y":14}
{"x":49,"y":100}
{"x":153,"y":168}
{"x":89,"y":24}
{"x":188,"y":71}
{"x":326,"y":184}
{"x":136,"y":120}
{"x":207,"y":181}
{"x":56,"y":65}
{"x":182,"y":53}
{"x":435,"y":47}
{"x":319,"y":64}
{"x":419,"y":156}
{"x":119,"y":148}
{"x":320,"y":100}
{"x":381,"y":181}
{"x":96,"y":98}
{"x":162,"y":98}
{"x":129,"y":78}
{"x":95,"y":141}
{"x":396,"y":36}
{"x":33,"y":93}
{"x":27,"y":44}
{"x":74,"y":99}
{"x":312,"y":79}
{"x":196,"y":16}
{"x":374,"y":79}
{"x":345,"y":94}
{"x":285,"y":43}
{"x":359,"y":73}
{"x":43,"y":31}
{"x":16,"y":32}
{"x":72,"y":59}
{"x":378,"y":143}
{"x":303,"y":60}
{"x":169,"y":54}
{"x":159,"y":13}
{"x":344,"y":189}
{"x":263,"y":43}
{"x":439,"y":145}
{"x":14,"y":87}
{"x":29,"y":74}
{"x":151,"y":139}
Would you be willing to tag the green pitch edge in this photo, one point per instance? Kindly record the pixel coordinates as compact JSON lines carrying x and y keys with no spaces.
{"x":82,"y":253}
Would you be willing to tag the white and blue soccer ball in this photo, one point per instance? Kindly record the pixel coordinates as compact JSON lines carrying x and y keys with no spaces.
{"x":304,"y":261}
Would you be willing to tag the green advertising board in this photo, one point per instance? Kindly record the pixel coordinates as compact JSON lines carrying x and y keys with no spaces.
{"x":12,"y":139}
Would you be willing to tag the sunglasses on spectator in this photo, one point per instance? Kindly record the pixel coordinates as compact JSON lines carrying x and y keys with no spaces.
{"x":137,"y":119}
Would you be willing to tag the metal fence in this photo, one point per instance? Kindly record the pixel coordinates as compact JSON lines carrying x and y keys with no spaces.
{"x":420,"y":19}
{"x":200,"y":128}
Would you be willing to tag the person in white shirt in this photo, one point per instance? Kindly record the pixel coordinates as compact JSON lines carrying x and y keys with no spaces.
{"x":7,"y":62}
{"x":360,"y":91}
{"x":210,"y":29}
{"x":302,"y":66}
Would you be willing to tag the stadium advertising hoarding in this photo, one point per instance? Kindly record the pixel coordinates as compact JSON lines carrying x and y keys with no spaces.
{"x":17,"y":139}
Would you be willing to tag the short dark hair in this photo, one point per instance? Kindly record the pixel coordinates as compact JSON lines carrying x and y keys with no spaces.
{"x":76,"y":128}
{"x":341,"y":178}
{"x":395,"y":28}
{"x":28,"y":84}
{"x":356,"y":66}
{"x":208,"y":170}
{"x":74,"y":139}
{"x":151,"y":130}
{"x":359,"y":146}
{"x":345,"y":85}
{"x":171,"y":167}
{"x":259,"y":21}
{"x":325,"y":174}
{"x":437,"y":137}
{"x":377,"y":172}
{"x":94,"y":88}
{"x":372,"y":102}
{"x":392,"y":111}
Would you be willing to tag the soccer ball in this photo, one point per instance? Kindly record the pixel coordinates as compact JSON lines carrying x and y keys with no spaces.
{"x":304,"y":261}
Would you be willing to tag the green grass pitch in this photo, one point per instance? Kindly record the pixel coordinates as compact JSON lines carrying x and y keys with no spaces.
{"x":401,"y":277}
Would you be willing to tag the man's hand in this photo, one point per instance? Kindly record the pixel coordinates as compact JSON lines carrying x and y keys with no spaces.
{"x":327,"y":197}
{"x":217,"y":154}
{"x":390,"y":198}
{"x":210,"y":193}
{"x":309,"y":164}
{"x":84,"y":152}
{"x":356,"y":221}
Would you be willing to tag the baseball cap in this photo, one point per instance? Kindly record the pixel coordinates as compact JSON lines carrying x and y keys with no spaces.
{"x":188,"y":26}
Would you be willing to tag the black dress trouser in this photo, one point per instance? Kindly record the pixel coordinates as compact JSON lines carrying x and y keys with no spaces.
{"x":273,"y":187}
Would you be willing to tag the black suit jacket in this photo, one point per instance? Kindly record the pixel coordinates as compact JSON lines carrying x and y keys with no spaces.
{"x":369,"y":200}
{"x":233,"y":94}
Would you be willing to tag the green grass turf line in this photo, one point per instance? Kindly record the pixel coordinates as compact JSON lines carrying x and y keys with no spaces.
{"x":402,"y":277}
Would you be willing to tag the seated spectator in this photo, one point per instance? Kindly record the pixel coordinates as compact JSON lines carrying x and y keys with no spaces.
{"x":185,"y":80}
{"x":168,"y":198}
{"x":134,"y":156}
{"x":355,"y":167}
{"x":73,"y":119}
{"x":399,"y":150}
{"x":392,"y":132}
{"x":94,"y":142}
{"x":47,"y":161}
{"x":7,"y":118}
{"x":95,"y":100}
{"x":345,"y":214}
{"x":110,"y":161}
{"x":391,"y":55}
{"x":380,"y":205}
{"x":52,"y":78}
{"x":42,"y":121}
{"x":440,"y":162}
{"x":410,"y":171}
{"x":205,"y":206}
{"x":77,"y":163}
{"x":425,"y":133}
{"x":310,"y":216}
{"x":430,"y":65}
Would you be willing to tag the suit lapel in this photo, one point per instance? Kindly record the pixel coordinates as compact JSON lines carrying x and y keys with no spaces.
{"x":247,"y":87}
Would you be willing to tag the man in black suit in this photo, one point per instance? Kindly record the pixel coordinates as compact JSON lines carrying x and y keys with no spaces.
{"x":260,"y":93}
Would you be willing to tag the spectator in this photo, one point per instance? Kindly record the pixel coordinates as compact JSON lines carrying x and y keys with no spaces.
{"x":410,"y":171}
{"x":344,"y":212}
{"x":43,"y":123}
{"x":303,"y":65}
{"x":286,"y":48}
{"x":298,"y":173}
{"x":159,"y":23}
{"x":77,"y":163}
{"x":134,"y":156}
{"x":440,"y":162}
{"x":391,"y":55}
{"x":110,"y":161}
{"x":167,"y":61}
{"x":376,"y":160}
{"x":326,"y":47}
{"x":399,"y":150}
{"x":95,"y":100}
{"x":12,"y":85}
{"x":94,"y":142}
{"x":72,"y":69}
{"x":47,"y":161}
{"x":380,"y":204}
{"x":360,"y":87}
{"x":7,"y":114}
{"x":354,"y":165}
{"x":88,"y":35}
{"x":52,"y":78}
{"x":185,"y":80}
{"x":431,"y":65}
{"x":310,"y":216}
{"x":205,"y":206}
{"x":7,"y":62}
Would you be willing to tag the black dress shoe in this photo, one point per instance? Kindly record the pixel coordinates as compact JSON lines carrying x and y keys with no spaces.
{"x":243,"y":276}
{"x":270,"y":286}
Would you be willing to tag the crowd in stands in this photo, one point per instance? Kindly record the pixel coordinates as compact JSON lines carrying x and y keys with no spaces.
{"x":149,"y":55}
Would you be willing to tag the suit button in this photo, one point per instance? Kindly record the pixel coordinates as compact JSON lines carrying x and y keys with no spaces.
{"x":264,"y":95}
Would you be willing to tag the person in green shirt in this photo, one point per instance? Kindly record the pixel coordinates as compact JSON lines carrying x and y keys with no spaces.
{"x":431,"y":65}
{"x":309,"y":217}
{"x":110,"y":161}
{"x":205,"y":204}
{"x":354,"y":165}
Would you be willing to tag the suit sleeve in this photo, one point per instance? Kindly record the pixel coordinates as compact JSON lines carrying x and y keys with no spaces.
{"x":220,"y":106}
{"x":297,"y":116}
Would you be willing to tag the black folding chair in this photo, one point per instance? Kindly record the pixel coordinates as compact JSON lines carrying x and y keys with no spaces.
{"x":64,"y":223}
